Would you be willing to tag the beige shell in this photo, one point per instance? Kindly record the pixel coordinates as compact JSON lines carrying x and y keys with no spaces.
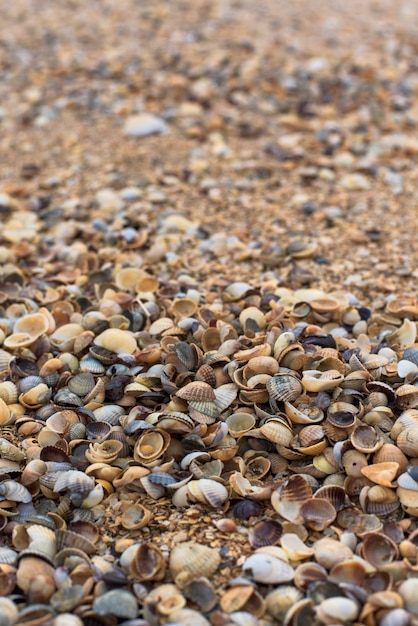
{"x":277,"y":430}
{"x":316,"y":381}
{"x":208,"y":492}
{"x":338,"y":609}
{"x":151,"y":445}
{"x":64,"y":337}
{"x":8,"y":392}
{"x":135,"y":516}
{"x":9,"y":451}
{"x":190,"y":559}
{"x":6,"y":417}
{"x":239,"y":423}
{"x":407,"y":442}
{"x":381,"y":473}
{"x":365,"y":439}
{"x":304,"y":411}
{"x":243,"y":598}
{"x":117,"y":341}
{"x":329,"y":552}
{"x":407,"y":396}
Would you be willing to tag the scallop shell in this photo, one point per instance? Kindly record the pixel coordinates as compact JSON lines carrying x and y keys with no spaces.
{"x":75,"y":481}
{"x":407,"y":442}
{"x":69,"y":539}
{"x":189,"y":560}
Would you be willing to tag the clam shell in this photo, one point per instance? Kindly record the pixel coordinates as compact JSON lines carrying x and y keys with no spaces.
{"x":64,"y":337}
{"x":337,"y":609}
{"x":75,"y":481}
{"x":266,"y":569}
{"x":189,"y":560}
{"x":243,"y":598}
{"x":277,"y":431}
{"x":365,"y":439}
{"x":8,"y":392}
{"x":135,"y":516}
{"x":378,"y":549}
{"x":12,"y":490}
{"x":119,"y":602}
{"x":69,"y":539}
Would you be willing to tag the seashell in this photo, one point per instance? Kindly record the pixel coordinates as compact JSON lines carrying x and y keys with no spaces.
{"x":9,"y":451}
{"x":33,"y":471}
{"x":116,"y":341}
{"x":365,"y":439}
{"x":407,"y":442}
{"x":6,"y":417}
{"x":284,"y":387}
{"x":82,"y":384}
{"x":151,"y":445}
{"x":110,"y":413}
{"x":318,"y":513}
{"x":208,"y":491}
{"x":148,"y":563}
{"x":8,"y":392}
{"x":201,"y":592}
{"x":328,"y":552}
{"x":75,"y":481}
{"x":183,"y":307}
{"x":27,"y":566}
{"x":403,"y":336}
{"x":189,"y":560}
{"x":243,"y":598}
{"x":306,"y":573}
{"x":408,"y":589}
{"x":289,"y":497}
{"x":266,"y":532}
{"x":294,"y":547}
{"x":36,"y":397}
{"x":188,"y":617}
{"x":64,"y":337}
{"x":381,"y":473}
{"x":12,"y":490}
{"x":304,"y":411}
{"x":337,"y":609}
{"x":119,"y":602}
{"x":316,"y":381}
{"x":266,"y":569}
{"x":244,"y":509}
{"x":406,"y":396}
{"x":135,"y":516}
{"x":277,"y":430}
{"x":197,"y":391}
{"x":105,"y":452}
{"x":281,"y":599}
{"x":69,"y":539}
{"x":359,"y":523}
{"x":378,"y":549}
{"x":8,"y":611}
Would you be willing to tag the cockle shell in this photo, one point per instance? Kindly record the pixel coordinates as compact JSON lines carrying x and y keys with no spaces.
{"x":190,"y":559}
{"x":289,"y":497}
{"x":148,"y":563}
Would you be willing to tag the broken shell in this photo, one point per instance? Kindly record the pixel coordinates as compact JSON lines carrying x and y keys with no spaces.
{"x":151,"y":445}
{"x":281,"y":599}
{"x":381,"y":473}
{"x":148,"y":563}
{"x":243,"y":598}
{"x":135,"y":516}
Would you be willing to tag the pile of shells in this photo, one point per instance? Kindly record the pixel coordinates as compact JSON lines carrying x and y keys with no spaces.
{"x":286,"y":420}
